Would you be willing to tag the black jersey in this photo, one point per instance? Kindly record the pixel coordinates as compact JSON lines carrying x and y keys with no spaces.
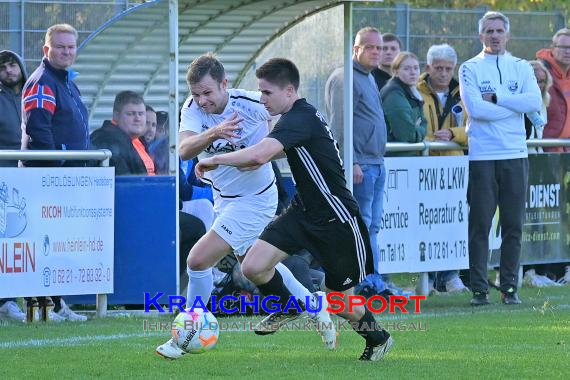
{"x":315,"y":162}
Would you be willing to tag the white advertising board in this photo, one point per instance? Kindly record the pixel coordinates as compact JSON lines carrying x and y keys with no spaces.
{"x":56,"y":231}
{"x":424,"y":227}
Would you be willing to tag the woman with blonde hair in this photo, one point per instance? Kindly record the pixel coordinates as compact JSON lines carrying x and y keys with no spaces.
{"x":535,"y":121}
{"x":402,"y":102}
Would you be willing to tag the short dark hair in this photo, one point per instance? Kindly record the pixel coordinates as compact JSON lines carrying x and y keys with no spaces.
{"x":126,"y":97}
{"x":149,"y":108}
{"x":389,"y":37}
{"x":279,"y":71}
{"x":7,"y":57}
{"x":204,"y":65}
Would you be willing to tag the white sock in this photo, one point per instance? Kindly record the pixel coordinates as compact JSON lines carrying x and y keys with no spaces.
{"x":200,"y":284}
{"x":291,"y":283}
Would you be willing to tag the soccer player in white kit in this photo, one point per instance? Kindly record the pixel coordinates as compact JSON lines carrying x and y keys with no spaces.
{"x":215,"y":120}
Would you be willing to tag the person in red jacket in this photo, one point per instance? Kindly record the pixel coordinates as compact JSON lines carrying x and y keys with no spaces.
{"x":557,"y":60}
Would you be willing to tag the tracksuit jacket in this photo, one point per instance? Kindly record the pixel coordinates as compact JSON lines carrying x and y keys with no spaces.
{"x":497,"y":131}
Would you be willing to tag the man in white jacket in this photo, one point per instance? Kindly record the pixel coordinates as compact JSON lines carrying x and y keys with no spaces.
{"x":497,"y":89}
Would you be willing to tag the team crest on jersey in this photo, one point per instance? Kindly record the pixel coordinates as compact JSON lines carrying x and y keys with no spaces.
{"x":513,"y":85}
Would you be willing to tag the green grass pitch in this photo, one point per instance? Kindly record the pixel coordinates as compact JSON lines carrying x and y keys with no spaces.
{"x":497,"y":341}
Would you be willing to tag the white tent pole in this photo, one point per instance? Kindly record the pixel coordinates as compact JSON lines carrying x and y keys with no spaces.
{"x":173,"y":112}
{"x":347,"y":122}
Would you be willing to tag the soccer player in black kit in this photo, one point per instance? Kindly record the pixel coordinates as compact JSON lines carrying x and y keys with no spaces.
{"x":324,"y":216}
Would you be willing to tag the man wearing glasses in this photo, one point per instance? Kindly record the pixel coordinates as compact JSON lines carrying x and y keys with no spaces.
{"x":557,"y":61}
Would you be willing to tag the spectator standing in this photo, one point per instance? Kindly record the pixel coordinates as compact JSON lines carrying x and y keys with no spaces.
{"x":442,"y":107}
{"x":445,"y":122}
{"x":369,"y":135}
{"x":496,"y":89}
{"x":536,"y":121}
{"x":391,"y":47}
{"x":55,"y":118}
{"x":557,"y":61}
{"x":403,"y":104}
{"x":12,"y":79}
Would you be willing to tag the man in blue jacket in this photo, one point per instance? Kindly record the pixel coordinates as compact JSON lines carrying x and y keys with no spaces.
{"x":54,"y":115}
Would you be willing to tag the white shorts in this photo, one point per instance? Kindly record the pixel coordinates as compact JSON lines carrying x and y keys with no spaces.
{"x":239,"y":221}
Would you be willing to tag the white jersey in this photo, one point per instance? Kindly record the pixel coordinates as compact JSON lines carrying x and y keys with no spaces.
{"x":228,"y":180}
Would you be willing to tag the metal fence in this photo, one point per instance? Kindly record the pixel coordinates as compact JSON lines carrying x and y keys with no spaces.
{"x":420,"y":28}
{"x":23,"y":23}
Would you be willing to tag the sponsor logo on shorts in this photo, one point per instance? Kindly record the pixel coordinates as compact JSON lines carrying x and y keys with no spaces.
{"x":226,"y":229}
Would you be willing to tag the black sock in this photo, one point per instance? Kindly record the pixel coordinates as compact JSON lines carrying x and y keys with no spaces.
{"x":276,"y":287}
{"x":368,"y":329}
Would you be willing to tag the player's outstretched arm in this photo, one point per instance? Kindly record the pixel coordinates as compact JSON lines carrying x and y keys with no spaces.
{"x":192,"y":143}
{"x":256,"y":155}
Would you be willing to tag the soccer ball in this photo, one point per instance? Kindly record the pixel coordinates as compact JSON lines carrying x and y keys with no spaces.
{"x":195,"y":331}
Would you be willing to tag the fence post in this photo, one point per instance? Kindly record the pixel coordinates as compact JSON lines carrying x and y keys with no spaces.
{"x":422,"y":288}
{"x":101,"y":299}
{"x":101,"y":306}
{"x":402,"y":25}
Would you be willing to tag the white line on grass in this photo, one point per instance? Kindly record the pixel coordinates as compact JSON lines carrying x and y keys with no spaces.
{"x":79,"y":340}
{"x":452,"y":312}
{"x":72,"y":341}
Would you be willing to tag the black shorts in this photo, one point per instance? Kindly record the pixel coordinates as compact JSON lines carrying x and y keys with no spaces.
{"x":342,"y":248}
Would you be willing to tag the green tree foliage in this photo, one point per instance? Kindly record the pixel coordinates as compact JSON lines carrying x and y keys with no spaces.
{"x":511,"y":5}
{"x":423,"y":23}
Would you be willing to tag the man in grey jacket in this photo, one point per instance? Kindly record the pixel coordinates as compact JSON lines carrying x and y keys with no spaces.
{"x":12,"y":79}
{"x":369,"y":136}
